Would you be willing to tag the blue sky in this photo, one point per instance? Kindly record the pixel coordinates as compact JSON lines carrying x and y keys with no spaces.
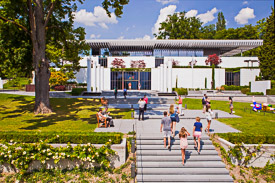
{"x":141,"y":18}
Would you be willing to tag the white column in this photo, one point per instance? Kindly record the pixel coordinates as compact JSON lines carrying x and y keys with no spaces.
{"x":161,"y":77}
{"x":165,"y":78}
{"x":102,"y":78}
{"x":169,"y":83}
{"x":94,"y":76}
{"x":33,"y":77}
{"x":89,"y":84}
{"x":1,"y":83}
{"x":98,"y":78}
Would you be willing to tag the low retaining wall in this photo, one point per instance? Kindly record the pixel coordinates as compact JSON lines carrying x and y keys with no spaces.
{"x":261,"y":158}
{"x":116,"y":160}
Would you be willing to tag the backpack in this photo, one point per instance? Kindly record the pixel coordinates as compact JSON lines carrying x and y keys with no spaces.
{"x":203,"y":101}
{"x":111,"y":123}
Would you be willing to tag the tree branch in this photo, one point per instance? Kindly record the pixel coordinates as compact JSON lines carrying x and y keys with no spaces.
{"x":15,"y":23}
{"x":50,"y":13}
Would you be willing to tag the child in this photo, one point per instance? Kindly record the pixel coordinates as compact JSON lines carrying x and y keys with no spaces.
{"x":231,"y":105}
{"x":197,"y":129}
{"x":183,"y":142}
{"x":208,"y":115}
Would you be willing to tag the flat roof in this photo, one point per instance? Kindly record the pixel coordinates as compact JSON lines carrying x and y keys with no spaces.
{"x":226,"y":47}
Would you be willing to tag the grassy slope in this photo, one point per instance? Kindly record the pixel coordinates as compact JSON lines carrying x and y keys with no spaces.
{"x":253,"y":122}
{"x":70,"y":114}
{"x":22,"y":82}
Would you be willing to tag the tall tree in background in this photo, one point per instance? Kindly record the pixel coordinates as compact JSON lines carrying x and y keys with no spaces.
{"x":177,"y":26}
{"x":267,"y":51}
{"x":220,"y":25}
{"x":214,"y":60}
{"x":49,"y":25}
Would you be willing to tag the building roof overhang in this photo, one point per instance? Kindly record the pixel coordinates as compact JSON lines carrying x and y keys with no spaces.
{"x":226,"y":47}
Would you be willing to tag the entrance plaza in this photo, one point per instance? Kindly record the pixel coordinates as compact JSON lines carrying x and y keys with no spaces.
{"x":164,"y":64}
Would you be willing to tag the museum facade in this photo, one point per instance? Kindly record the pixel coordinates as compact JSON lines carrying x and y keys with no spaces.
{"x":164,"y":64}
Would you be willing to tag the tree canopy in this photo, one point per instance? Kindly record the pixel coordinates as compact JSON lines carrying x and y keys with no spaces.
{"x":43,"y":32}
{"x":220,"y":25}
{"x":267,"y":51}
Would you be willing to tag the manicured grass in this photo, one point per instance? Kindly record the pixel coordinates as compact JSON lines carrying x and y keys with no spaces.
{"x":16,"y":84}
{"x":254,"y":122}
{"x":70,"y":115}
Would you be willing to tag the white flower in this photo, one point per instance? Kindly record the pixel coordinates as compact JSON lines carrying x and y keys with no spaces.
{"x":84,"y":149}
{"x":49,"y":154}
{"x":44,"y":151}
{"x":24,"y":153}
{"x":43,"y":161}
{"x":93,"y":161}
{"x":9,"y":152}
{"x":57,"y":136}
{"x":10,"y":156}
{"x":89,"y":149}
{"x":11,"y":141}
{"x":110,"y":140}
{"x":2,"y":153}
{"x":48,"y":150}
{"x":96,"y":153}
{"x":116,"y":153}
{"x":89,"y":144}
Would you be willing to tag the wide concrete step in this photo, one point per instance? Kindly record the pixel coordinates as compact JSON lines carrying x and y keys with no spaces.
{"x":173,"y":142}
{"x":188,"y":164}
{"x":177,"y":158}
{"x":182,"y":171}
{"x":176,"y":152}
{"x":184,"y":178}
{"x":173,"y":147}
{"x":159,"y":136}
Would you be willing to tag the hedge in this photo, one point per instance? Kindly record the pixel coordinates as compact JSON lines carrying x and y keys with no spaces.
{"x":255,"y":93}
{"x":78,"y":91}
{"x":245,"y":138}
{"x":181,"y":91}
{"x":62,"y":137}
{"x":233,"y":87}
{"x":270,"y":91}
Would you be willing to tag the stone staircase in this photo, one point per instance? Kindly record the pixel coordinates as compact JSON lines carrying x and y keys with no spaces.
{"x":158,"y":164}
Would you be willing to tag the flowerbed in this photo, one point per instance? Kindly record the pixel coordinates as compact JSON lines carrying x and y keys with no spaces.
{"x":21,"y":155}
{"x":61,"y":137}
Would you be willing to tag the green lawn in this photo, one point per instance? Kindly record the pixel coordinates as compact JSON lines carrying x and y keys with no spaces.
{"x":254,"y":122}
{"x":69,"y":114}
{"x":16,"y":84}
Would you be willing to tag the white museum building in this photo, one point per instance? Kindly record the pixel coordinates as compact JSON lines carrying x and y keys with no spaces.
{"x":164,"y":64}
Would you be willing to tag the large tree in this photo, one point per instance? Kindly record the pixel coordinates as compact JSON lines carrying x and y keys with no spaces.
{"x":220,"y":25}
{"x":49,"y":25}
{"x":267,"y":51}
{"x":177,"y":26}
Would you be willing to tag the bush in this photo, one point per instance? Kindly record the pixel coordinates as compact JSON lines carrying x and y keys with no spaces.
{"x":245,"y":138}
{"x":62,"y":137}
{"x":181,"y":91}
{"x":81,"y":84}
{"x":59,"y":88}
{"x":245,"y":90}
{"x":78,"y":91}
{"x":270,"y":91}
{"x":255,"y":93}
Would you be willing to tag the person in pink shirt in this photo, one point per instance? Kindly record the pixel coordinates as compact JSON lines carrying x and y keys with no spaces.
{"x":146,"y":101}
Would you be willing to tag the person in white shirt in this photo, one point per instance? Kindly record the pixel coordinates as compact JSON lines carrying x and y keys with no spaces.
{"x":208,"y":114}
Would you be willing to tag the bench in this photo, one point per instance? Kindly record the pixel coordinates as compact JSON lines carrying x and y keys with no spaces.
{"x":100,"y":123}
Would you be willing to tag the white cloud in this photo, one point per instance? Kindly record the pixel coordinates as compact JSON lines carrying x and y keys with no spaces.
{"x":167,"y":1}
{"x":120,"y":37}
{"x":93,"y":36}
{"x":169,"y":10}
{"x":146,"y":37}
{"x":208,"y":16}
{"x":245,"y":2}
{"x":244,"y":15}
{"x":98,"y":17}
{"x":191,"y":13}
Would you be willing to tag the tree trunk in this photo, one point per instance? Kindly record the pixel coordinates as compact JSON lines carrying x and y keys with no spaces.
{"x":40,"y":62}
{"x":213,"y":77}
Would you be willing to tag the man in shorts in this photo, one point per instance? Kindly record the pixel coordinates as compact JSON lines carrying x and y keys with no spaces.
{"x":166,"y":127}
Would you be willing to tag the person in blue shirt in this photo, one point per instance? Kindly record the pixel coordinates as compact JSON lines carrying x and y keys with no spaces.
{"x":125,"y":92}
{"x":197,"y":129}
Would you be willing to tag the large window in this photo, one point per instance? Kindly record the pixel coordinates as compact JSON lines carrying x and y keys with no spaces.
{"x":178,"y":52}
{"x":123,"y":79}
{"x":232,"y":78}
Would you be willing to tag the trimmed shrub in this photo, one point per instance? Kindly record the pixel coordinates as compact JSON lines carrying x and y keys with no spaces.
{"x":78,"y":91}
{"x":62,"y":137}
{"x":59,"y":88}
{"x":181,"y":91}
{"x":270,"y":91}
{"x":245,"y":90}
{"x":236,"y":138}
{"x":254,"y":93}
{"x":233,"y":87}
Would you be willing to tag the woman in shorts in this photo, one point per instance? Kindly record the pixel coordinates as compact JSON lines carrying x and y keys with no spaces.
{"x":197,"y":129}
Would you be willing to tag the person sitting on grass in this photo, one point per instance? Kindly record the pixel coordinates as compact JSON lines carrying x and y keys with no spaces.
{"x":166,"y":127}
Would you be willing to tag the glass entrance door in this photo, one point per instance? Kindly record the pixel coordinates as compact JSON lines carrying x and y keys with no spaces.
{"x":131,"y":80}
